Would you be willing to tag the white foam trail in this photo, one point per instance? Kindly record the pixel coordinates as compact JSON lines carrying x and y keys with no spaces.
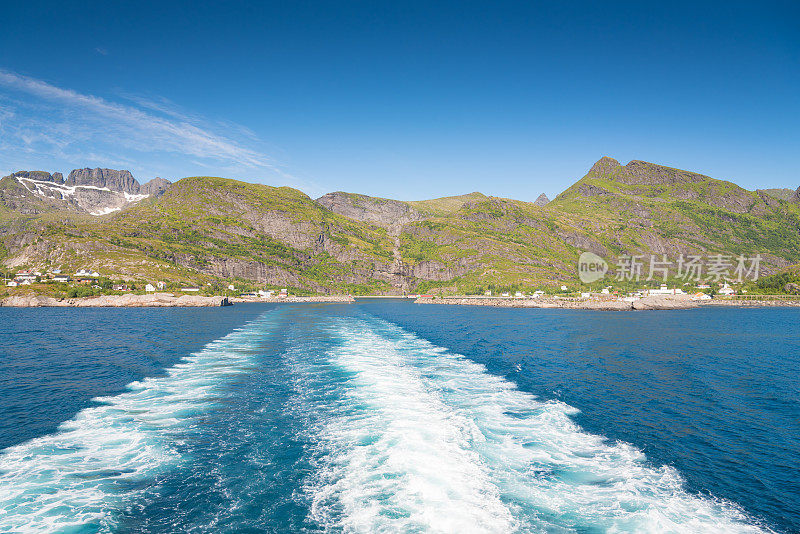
{"x":393,"y":457}
{"x":81,"y":474}
{"x":420,"y":439}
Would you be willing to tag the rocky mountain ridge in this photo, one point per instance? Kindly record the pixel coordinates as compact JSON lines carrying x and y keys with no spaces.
{"x":206,"y":229}
{"x":95,"y":191}
{"x":114,"y":180}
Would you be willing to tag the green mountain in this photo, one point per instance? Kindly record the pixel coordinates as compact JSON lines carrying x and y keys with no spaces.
{"x":212,"y":230}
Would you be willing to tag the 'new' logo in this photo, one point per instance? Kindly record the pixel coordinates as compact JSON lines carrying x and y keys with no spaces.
{"x":591,"y":267}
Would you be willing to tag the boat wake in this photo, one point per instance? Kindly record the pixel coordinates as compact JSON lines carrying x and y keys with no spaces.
{"x":416,"y":438}
{"x":79,"y":477}
{"x":390,"y":433}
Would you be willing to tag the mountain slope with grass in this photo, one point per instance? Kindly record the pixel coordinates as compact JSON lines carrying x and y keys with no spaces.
{"x":207,"y":230}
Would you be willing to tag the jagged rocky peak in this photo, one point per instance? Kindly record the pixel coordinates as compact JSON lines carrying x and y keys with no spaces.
{"x":155,"y":187}
{"x":796,"y":197}
{"x":542,"y":200}
{"x":95,"y":191}
{"x":381,"y":211}
{"x":604,"y":166}
{"x":42,"y":176}
{"x":114,"y":180}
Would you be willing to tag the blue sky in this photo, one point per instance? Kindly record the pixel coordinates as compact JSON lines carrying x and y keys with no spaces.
{"x":406,"y":100}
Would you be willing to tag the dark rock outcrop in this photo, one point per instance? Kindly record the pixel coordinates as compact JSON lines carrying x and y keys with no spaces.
{"x":796,"y":197}
{"x":42,"y":176}
{"x":114,"y":180}
{"x":155,"y":187}
{"x":542,"y":200}
{"x":590,"y":190}
{"x":373,"y":210}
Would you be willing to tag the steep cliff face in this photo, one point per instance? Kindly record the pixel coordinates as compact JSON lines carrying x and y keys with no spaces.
{"x":121,"y":181}
{"x":94,"y":191}
{"x":541,"y":200}
{"x":42,"y":176}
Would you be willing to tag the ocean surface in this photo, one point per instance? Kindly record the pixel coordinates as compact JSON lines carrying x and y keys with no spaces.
{"x":386,"y":416}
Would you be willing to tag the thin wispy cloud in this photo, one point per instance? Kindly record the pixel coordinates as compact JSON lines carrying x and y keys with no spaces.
{"x":37,"y":117}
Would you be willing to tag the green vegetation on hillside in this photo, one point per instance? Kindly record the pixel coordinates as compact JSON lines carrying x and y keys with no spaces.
{"x":208,"y":230}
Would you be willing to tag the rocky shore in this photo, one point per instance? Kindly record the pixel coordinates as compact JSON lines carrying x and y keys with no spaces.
{"x":646,"y":303}
{"x":322,"y":298}
{"x":756,"y":303}
{"x":157,"y":300}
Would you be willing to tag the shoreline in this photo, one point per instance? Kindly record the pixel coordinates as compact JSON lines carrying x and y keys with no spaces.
{"x":645,"y":303}
{"x":153,"y":300}
{"x":165,"y":300}
{"x":319,"y":298}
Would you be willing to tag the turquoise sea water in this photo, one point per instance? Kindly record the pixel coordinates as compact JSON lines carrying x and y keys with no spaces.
{"x":394,"y":417}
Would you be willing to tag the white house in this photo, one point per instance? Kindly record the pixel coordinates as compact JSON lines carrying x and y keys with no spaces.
{"x":664,"y":290}
{"x":726,"y":290}
{"x":63,"y":278}
{"x":519,"y":295}
{"x":701,"y":296}
{"x":231,"y":287}
{"x":585,"y":295}
{"x":160,"y":285}
{"x":22,"y":276}
{"x":150,"y":288}
{"x":12,"y":283}
{"x":563,"y":288}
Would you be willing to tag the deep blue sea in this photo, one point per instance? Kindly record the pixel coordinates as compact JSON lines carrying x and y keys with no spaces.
{"x":387,"y":416}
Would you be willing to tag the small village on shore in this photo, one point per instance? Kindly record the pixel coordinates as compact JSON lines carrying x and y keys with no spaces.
{"x":88,"y":288}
